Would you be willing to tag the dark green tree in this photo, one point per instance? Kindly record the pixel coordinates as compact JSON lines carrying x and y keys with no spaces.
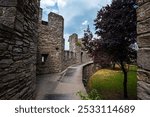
{"x":115,"y":26}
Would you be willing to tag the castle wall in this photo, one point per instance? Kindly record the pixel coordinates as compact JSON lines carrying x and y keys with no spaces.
{"x":73,"y":39}
{"x":143,"y":30}
{"x":69,"y":59}
{"x":75,"y":45}
{"x":18,"y":43}
{"x":82,"y":56}
{"x":51,"y":45}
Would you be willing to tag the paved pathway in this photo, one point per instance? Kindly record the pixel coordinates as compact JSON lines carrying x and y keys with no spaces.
{"x":62,"y":86}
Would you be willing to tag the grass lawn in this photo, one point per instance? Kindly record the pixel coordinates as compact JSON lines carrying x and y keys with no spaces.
{"x":109,"y":83}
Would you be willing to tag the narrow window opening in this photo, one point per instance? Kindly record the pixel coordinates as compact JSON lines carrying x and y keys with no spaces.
{"x":44,"y":57}
{"x":57,"y":48}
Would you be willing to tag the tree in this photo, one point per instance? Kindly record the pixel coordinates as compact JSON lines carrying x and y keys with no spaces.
{"x":116,"y":25}
{"x":116,"y":28}
{"x":94,"y":47}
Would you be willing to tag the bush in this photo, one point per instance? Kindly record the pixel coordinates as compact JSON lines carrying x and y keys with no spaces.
{"x":92,"y":95}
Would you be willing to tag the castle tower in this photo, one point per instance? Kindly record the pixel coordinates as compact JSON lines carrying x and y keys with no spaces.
{"x":73,"y":39}
{"x":51,"y":44}
{"x":56,"y":23}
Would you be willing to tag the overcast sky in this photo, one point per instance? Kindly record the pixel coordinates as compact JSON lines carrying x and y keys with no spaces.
{"x":77,"y":14}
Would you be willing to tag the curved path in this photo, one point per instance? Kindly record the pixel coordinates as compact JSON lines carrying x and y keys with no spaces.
{"x":61,"y":86}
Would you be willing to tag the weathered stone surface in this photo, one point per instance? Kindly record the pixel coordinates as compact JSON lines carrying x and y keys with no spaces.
{"x":143,"y":75}
{"x":17,"y":50}
{"x":8,"y":77}
{"x":87,"y":72}
{"x":51,"y":45}
{"x":143,"y":12}
{"x":8,"y":21}
{"x":144,"y":40}
{"x":140,"y":2}
{"x":3,"y":47}
{"x":143,"y":30}
{"x":19,"y":26}
{"x":143,"y":58}
{"x":143,"y":91}
{"x":6,"y":63}
{"x":18,"y":43}
{"x":143,"y":26}
{"x":8,"y":3}
{"x":75,"y":45}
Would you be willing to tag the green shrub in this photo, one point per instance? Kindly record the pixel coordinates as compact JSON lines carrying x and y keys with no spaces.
{"x":92,"y":95}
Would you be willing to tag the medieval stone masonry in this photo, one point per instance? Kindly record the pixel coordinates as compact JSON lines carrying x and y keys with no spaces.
{"x":143,"y":30}
{"x":50,"y":44}
{"x":18,"y":47}
{"x":51,"y":56}
{"x":30,"y":46}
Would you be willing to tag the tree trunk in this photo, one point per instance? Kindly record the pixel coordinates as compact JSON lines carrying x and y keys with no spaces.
{"x":125,"y":81}
{"x":113,"y":65}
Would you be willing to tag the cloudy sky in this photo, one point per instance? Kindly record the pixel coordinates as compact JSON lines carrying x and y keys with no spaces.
{"x":77,"y":14}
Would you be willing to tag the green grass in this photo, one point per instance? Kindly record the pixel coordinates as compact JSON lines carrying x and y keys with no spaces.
{"x":109,"y":83}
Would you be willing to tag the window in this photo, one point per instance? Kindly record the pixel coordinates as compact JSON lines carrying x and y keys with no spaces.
{"x":44,"y":57}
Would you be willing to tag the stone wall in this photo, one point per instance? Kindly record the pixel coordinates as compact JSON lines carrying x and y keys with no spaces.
{"x":143,"y":30}
{"x":18,"y":43}
{"x":69,"y":59}
{"x":50,"y":44}
{"x":75,"y":45}
{"x":73,"y":39}
{"x":87,"y":72}
{"x":81,"y":55}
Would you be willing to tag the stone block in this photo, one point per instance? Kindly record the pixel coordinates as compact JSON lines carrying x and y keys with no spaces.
{"x":9,"y":3}
{"x":12,"y":91}
{"x":19,"y":26}
{"x":8,"y":77}
{"x":16,"y":96}
{"x":19,"y":43}
{"x":9,"y":21}
{"x":20,"y":16}
{"x":9,"y":12}
{"x":5,"y":63}
{"x":17,"y":50}
{"x":143,"y":26}
{"x":141,"y":2}
{"x":24,"y":91}
{"x":3,"y":47}
{"x":144,"y":40}
{"x":143,"y":75}
{"x":143,"y":12}
{"x":143,"y":58}
{"x":143,"y":91}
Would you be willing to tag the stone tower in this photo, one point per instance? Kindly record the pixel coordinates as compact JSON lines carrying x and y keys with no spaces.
{"x":75,"y":46}
{"x":51,"y":44}
{"x":73,"y":39}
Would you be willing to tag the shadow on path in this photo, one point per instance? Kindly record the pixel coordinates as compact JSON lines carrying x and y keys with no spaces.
{"x":61,"y":86}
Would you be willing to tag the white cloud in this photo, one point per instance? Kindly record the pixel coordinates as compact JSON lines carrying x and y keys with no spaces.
{"x":62,"y":3}
{"x":71,"y":9}
{"x":85,"y":23}
{"x":45,"y":3}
